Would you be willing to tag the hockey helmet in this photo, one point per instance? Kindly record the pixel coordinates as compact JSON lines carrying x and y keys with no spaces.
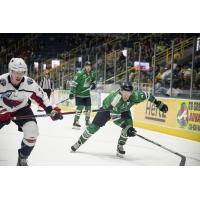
{"x":17,"y":65}
{"x":88,"y":63}
{"x":126,"y":86}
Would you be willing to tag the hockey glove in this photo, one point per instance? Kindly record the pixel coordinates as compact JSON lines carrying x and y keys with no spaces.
{"x":131,"y":132}
{"x":93,"y":86}
{"x":5,"y":118}
{"x":161,"y":106}
{"x":56,"y":114}
{"x":71,"y":96}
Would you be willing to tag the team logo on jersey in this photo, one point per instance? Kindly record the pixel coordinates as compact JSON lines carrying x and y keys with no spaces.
{"x":124,"y":107}
{"x":6,"y":94}
{"x":3,"y":82}
{"x":30,"y":81}
{"x":11,"y":103}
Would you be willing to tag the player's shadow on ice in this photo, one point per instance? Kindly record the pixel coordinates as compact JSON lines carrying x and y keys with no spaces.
{"x":110,"y":156}
{"x":129,"y":159}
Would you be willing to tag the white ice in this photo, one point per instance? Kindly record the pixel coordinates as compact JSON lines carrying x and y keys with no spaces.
{"x":56,"y":138}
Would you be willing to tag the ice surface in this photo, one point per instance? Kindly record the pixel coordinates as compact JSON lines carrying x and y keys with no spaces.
{"x":56,"y":138}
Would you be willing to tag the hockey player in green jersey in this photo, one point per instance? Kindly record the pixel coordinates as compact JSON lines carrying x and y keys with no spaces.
{"x":116,"y":106}
{"x":83,"y":82}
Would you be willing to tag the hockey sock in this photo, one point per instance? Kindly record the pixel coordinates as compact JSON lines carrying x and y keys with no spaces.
{"x":123,"y":137}
{"x":90,"y":130}
{"x":87,"y":113}
{"x":25,"y":149}
{"x":78,"y":112}
{"x":2,"y":125}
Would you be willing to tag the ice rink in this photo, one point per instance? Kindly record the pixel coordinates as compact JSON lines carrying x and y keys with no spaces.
{"x":56,"y":137}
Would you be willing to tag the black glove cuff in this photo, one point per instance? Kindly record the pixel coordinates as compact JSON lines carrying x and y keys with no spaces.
{"x":48,"y":109}
{"x":157,"y":103}
{"x":93,"y":86}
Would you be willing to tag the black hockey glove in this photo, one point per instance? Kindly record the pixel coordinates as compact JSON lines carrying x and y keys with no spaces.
{"x":56,"y":114}
{"x":161,"y":106}
{"x":93,"y":86}
{"x":131,"y":132}
{"x":71,"y":96}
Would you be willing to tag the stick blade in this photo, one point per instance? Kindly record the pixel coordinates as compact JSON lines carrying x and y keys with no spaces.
{"x":183,"y":160}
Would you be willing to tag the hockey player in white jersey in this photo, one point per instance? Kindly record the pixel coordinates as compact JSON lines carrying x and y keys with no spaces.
{"x":16,"y":92}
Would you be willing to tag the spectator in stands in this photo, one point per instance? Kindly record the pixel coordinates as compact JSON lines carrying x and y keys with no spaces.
{"x":159,"y":72}
{"x":122,"y":58}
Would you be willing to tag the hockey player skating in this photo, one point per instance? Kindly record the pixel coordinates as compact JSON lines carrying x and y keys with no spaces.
{"x":83,"y":82}
{"x":16,"y":91}
{"x":116,"y":106}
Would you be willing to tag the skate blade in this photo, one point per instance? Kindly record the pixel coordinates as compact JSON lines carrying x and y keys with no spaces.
{"x":120,"y":155}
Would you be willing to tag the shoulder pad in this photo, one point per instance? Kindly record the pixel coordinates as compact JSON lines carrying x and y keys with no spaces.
{"x":142,"y":95}
{"x":79,"y":73}
{"x":29,"y":81}
{"x":3,"y":82}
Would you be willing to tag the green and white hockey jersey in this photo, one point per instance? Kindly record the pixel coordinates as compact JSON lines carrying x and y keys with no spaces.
{"x":82,"y":82}
{"x":117,"y":105}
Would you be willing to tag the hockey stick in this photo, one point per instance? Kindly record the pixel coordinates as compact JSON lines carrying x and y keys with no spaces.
{"x":67,"y":98}
{"x":62,"y":101}
{"x":183,"y":158}
{"x":47,"y":115}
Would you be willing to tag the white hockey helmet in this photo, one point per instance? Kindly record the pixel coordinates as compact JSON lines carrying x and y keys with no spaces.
{"x":17,"y":65}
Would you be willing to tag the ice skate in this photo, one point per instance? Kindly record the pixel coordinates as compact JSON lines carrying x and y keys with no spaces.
{"x":76,"y":125}
{"x":22,"y":160}
{"x":120,"y":151}
{"x":75,"y":146}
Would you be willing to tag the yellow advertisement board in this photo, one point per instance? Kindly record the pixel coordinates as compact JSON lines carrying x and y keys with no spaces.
{"x":182,"y":119}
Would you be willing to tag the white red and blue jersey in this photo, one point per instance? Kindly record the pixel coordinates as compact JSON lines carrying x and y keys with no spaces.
{"x":14,"y":98}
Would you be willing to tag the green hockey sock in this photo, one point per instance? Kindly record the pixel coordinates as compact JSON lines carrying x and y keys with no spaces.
{"x":87,"y":113}
{"x":78,"y":112}
{"x":90,"y":130}
{"x":123,"y":137}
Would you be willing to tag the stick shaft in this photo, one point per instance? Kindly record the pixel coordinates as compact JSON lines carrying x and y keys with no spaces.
{"x":47,"y":115}
{"x":62,"y":101}
{"x":183,"y":158}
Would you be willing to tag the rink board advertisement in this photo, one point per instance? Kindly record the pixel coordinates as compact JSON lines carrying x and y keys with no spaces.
{"x":182,"y":119}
